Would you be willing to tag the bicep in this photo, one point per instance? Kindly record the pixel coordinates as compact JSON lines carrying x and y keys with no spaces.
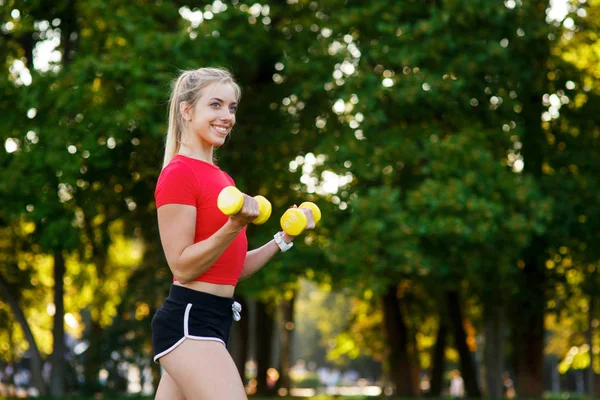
{"x":177,"y":227}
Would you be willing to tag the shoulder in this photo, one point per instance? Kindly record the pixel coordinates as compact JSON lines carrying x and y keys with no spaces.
{"x":179,"y":171}
{"x":177,"y":167}
{"x":177,"y":183}
{"x":228,"y":177}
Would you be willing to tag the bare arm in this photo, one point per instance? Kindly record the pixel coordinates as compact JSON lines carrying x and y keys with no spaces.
{"x":177,"y":226}
{"x":257,"y":258}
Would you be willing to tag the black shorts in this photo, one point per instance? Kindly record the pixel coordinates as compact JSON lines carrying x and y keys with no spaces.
{"x":190,"y":314}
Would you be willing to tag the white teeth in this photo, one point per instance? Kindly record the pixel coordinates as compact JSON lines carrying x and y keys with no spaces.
{"x":220,"y":129}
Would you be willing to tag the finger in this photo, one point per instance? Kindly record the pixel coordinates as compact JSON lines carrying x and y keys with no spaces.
{"x":308,"y":212}
{"x":251,"y":203}
{"x":253,"y":208}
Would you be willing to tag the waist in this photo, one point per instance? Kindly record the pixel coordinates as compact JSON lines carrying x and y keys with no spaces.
{"x":207,"y":287}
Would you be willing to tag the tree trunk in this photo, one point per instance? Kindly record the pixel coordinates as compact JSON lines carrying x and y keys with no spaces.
{"x":397,"y":336}
{"x":530,"y":302}
{"x":264,"y":329}
{"x":287,"y":330}
{"x":494,"y":351}
{"x":529,"y":323}
{"x":92,"y":357}
{"x":439,"y":360}
{"x":69,"y":25}
{"x":413,"y":353}
{"x":57,"y":382}
{"x":238,"y":341}
{"x":36,"y":359}
{"x":590,"y":340}
{"x":467,"y":366}
{"x":97,"y":348}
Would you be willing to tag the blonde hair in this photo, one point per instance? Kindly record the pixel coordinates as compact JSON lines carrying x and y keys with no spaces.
{"x":189,"y":87}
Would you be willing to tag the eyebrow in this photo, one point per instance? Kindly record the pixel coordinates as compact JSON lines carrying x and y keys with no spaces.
{"x":220,"y":100}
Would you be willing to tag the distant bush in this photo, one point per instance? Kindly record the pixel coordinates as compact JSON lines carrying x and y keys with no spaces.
{"x":308,"y":380}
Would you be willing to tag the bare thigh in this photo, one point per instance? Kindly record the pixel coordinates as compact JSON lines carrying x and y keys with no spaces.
{"x":204,"y":370}
{"x":168,"y":389}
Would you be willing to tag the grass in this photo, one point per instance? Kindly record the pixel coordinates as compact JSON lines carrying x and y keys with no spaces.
{"x":548,"y":396}
{"x":319,"y":397}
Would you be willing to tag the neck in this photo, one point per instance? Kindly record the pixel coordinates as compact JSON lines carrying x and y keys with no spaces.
{"x":198,"y":149}
{"x":198,"y":154}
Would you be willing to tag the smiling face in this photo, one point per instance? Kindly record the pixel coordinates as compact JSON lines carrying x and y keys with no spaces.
{"x":213,"y":116}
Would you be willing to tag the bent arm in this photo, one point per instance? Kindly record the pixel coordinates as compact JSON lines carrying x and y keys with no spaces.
{"x":257,"y":258}
{"x":186,"y":259}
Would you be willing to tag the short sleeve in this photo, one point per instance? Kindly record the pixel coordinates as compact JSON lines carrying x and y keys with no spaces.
{"x":229,"y":178}
{"x":176,"y":184}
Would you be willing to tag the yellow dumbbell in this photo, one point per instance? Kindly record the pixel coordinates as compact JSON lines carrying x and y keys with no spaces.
{"x":231,"y":200}
{"x":293,"y":221}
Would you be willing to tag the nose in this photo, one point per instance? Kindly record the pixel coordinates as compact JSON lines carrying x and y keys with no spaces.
{"x":227,"y":115}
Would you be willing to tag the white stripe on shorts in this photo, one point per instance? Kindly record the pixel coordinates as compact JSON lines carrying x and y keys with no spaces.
{"x":186,"y":335}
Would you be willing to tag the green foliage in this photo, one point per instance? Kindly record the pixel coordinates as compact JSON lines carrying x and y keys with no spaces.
{"x":422,"y":107}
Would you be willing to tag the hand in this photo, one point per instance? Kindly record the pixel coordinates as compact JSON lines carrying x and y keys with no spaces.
{"x":310,"y":218}
{"x":295,"y":220}
{"x":247,"y":214}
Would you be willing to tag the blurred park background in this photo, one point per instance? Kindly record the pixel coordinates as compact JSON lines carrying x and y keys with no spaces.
{"x":452,"y":146}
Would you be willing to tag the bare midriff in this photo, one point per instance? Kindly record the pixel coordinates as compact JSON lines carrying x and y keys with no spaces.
{"x":212,"y":288}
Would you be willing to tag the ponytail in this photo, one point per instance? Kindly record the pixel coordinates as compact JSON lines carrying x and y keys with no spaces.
{"x":174,"y":130}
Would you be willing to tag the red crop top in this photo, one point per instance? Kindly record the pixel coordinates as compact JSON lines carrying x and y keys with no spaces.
{"x":198,"y":183}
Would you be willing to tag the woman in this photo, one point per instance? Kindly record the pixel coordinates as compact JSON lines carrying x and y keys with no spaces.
{"x":206,"y":250}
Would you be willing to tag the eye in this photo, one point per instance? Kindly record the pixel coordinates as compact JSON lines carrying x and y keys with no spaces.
{"x":233,"y":109}
{"x":215,"y":104}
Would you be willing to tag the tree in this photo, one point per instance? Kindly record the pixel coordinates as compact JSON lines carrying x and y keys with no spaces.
{"x":445,"y":143}
{"x":403,"y":118}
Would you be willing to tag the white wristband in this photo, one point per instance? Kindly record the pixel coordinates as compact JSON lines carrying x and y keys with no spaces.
{"x":283,"y":246}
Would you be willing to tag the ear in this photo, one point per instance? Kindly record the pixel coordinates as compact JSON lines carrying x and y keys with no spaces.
{"x":185,"y":109}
